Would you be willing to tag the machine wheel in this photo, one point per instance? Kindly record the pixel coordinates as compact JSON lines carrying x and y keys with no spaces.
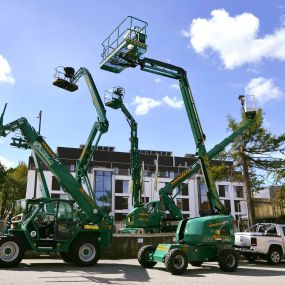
{"x":11,"y":251}
{"x":66,"y":257}
{"x":143,"y":255}
{"x":85,"y":252}
{"x":176,"y":261}
{"x":140,"y":231}
{"x":228,"y":260}
{"x":274,"y":255}
{"x":196,"y":263}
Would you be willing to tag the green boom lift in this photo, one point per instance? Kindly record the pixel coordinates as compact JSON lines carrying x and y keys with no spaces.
{"x":151,"y":217}
{"x":66,"y":78}
{"x":201,"y":239}
{"x":114,"y":99}
{"x":77,"y":228}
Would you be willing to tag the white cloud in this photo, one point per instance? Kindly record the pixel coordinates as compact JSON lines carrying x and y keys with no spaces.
{"x":263,"y":89}
{"x":235,"y":39}
{"x":144,"y":104}
{"x":157,"y":80}
{"x":6,"y":162}
{"x":173,"y":102}
{"x":175,"y":86}
{"x":5,"y":71}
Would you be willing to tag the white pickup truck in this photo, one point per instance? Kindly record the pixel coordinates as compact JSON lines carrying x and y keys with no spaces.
{"x":264,"y":240}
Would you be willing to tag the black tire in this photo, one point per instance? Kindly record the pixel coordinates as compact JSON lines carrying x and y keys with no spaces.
{"x":176,"y":261}
{"x":143,"y":256}
{"x":274,"y":255}
{"x":66,"y":257}
{"x":85,"y":251}
{"x":140,"y":231}
{"x":11,"y":251}
{"x":196,"y":263}
{"x":228,"y":260}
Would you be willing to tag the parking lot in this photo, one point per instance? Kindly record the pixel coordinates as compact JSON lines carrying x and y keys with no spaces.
{"x":128,"y":271}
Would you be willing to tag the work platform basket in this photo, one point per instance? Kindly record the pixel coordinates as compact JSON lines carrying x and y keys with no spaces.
{"x":124,"y":45}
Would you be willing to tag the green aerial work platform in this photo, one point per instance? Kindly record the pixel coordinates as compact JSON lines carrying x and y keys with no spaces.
{"x":198,"y":239}
{"x":124,"y":44}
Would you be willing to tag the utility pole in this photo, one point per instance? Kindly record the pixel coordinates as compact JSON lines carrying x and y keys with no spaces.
{"x":39,"y":116}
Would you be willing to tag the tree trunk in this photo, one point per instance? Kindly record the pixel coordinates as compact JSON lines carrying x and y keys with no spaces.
{"x":250,"y":202}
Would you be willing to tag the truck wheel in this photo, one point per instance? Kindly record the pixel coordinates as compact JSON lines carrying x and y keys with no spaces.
{"x":228,"y":260}
{"x":85,"y":252}
{"x":196,"y":263}
{"x":11,"y":252}
{"x":143,"y":256}
{"x":274,"y":255}
{"x":66,"y":257}
{"x":176,"y":261}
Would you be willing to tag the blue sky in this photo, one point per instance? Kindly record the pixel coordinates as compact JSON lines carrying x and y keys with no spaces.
{"x":227,"y":47}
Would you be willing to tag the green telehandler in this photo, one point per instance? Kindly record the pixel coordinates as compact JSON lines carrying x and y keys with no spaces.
{"x":76,"y":228}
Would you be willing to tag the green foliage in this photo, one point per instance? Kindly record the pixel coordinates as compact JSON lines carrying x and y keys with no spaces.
{"x":220,"y":172}
{"x":279,"y":199}
{"x":13,"y":183}
{"x":258,"y":150}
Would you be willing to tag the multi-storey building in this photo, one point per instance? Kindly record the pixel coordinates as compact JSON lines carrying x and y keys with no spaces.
{"x":110,"y":176}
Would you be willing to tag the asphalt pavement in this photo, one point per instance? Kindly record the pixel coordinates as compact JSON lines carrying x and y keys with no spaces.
{"x":128,"y":271}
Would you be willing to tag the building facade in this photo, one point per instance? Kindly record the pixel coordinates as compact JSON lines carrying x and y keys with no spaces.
{"x":110,"y":176}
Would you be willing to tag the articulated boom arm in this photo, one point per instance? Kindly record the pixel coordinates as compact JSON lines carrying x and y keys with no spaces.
{"x":116,"y":102}
{"x":21,"y":143}
{"x":100,"y":126}
{"x":135,"y":168}
{"x":175,"y":72}
{"x":165,"y":193}
{"x":69,"y":184}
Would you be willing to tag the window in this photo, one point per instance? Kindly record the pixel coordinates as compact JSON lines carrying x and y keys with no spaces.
{"x":103,"y":189}
{"x":72,"y":167}
{"x":145,"y":199}
{"x":185,"y":204}
{"x":121,"y":203}
{"x":183,"y":189}
{"x":55,"y":196}
{"x":237,"y":205}
{"x":223,"y":190}
{"x":122,"y":186}
{"x":227,"y":204}
{"x":179,"y":204}
{"x":182,"y":204}
{"x":120,"y":217}
{"x":204,"y":205}
{"x":54,"y":184}
{"x":238,"y":191}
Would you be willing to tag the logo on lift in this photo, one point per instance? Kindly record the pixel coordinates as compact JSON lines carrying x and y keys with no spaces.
{"x":180,"y":176}
{"x":46,"y":152}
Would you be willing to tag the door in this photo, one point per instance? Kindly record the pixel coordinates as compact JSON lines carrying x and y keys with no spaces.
{"x":65,"y":220}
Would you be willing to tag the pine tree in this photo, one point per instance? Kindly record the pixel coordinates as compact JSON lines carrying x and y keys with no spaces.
{"x":255,"y":152}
